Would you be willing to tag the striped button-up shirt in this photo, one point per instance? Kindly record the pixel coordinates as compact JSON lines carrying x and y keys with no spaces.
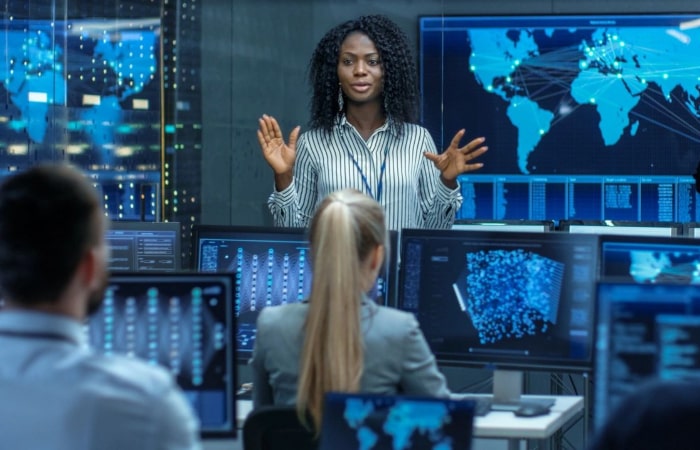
{"x":389,"y":167}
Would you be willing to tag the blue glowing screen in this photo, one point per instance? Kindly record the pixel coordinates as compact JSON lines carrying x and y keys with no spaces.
{"x":502,"y":299}
{"x":586,"y":117}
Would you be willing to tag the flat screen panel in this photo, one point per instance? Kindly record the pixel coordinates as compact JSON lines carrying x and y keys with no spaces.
{"x":144,"y":246}
{"x":648,"y":259}
{"x":183,"y":322}
{"x":587,"y":115}
{"x":502,"y":299}
{"x":273,"y":267}
{"x":645,"y":331}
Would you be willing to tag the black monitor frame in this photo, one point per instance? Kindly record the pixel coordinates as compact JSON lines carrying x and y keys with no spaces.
{"x":218,"y":326}
{"x":140,"y":255}
{"x":442,"y":307}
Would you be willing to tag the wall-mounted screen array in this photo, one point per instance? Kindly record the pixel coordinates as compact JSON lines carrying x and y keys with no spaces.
{"x":144,"y":246}
{"x":272,"y":267}
{"x":644,"y":331}
{"x":647,"y":259}
{"x":592,"y":115}
{"x":87,"y":90}
{"x":183,"y":322}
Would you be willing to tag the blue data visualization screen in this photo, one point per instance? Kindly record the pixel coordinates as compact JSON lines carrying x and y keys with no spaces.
{"x":586,"y":117}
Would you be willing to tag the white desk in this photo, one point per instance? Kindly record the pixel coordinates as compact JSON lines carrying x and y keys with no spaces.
{"x":505,"y":425}
{"x":501,"y":424}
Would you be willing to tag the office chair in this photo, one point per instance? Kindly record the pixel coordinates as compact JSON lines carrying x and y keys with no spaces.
{"x":276,"y":428}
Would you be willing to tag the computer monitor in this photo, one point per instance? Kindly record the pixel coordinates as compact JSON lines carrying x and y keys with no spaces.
{"x":502,"y":300}
{"x":185,"y":323}
{"x":589,"y":112}
{"x":536,"y":226}
{"x":649,"y":259}
{"x":645,"y":331}
{"x":144,"y":246}
{"x":622,"y":227}
{"x":388,"y":422}
{"x":273,"y":267}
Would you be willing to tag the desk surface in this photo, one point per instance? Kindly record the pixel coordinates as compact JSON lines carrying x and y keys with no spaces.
{"x":506,"y":425}
{"x":502,"y":424}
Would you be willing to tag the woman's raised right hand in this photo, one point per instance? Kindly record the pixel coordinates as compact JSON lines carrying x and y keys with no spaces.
{"x":278,"y":154}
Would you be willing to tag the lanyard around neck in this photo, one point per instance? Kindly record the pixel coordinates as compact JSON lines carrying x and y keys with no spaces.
{"x":380,"y":182}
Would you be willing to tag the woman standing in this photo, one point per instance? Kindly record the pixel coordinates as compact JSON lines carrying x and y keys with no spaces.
{"x":363,"y":135}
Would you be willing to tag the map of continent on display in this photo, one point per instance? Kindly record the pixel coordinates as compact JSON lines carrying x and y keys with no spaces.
{"x":401,"y":422}
{"x":93,"y":67}
{"x":609,"y":68}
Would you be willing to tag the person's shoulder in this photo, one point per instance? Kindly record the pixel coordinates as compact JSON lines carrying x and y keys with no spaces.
{"x":276,"y":314}
{"x":414,"y":129}
{"x":393,"y":320}
{"x":128,"y":377}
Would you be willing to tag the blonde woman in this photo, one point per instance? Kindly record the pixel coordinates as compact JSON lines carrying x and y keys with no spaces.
{"x":340,"y":340}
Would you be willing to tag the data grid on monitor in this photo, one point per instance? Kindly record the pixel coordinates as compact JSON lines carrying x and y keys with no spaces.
{"x":183,"y":322}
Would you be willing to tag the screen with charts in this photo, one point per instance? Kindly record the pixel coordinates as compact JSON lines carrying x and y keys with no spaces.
{"x":648,"y":259}
{"x":644,"y":331}
{"x":272,"y":267}
{"x":387,"y":422}
{"x":502,"y":299}
{"x":144,"y":246}
{"x":588,"y":116}
{"x":185,"y":323}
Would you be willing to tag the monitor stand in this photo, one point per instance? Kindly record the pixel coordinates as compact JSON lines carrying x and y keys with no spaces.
{"x":508,"y":389}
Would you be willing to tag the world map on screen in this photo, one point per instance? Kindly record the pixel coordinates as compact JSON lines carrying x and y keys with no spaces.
{"x":403,"y":423}
{"x":608,"y":68}
{"x":92,"y":67}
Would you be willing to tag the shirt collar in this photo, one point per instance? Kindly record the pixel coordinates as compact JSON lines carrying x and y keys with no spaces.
{"x":34,"y":322}
{"x":343,"y":125}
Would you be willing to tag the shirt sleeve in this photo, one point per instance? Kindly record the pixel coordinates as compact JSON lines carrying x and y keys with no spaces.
{"x":179,"y":428}
{"x":420,"y":374}
{"x":294,"y":206}
{"x":439,"y":204}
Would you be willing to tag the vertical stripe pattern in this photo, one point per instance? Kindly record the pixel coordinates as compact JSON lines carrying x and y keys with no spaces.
{"x":413,"y":195}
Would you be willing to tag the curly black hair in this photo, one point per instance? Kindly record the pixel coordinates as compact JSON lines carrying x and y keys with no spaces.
{"x":400,"y":82}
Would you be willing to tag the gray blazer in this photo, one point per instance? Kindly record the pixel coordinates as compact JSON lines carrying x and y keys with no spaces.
{"x":397,"y":357}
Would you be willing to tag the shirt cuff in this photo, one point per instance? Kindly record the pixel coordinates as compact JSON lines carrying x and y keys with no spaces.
{"x":285,"y":196}
{"x":444,"y":193}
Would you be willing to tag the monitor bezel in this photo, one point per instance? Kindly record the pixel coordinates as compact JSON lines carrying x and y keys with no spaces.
{"x":136,"y":226}
{"x":504,"y":363}
{"x":232,"y":354}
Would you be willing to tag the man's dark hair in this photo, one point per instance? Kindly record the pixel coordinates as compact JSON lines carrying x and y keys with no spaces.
{"x":49,"y":218}
{"x":400,"y":82}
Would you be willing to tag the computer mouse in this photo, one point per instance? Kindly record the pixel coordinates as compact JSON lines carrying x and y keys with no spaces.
{"x":531,"y":410}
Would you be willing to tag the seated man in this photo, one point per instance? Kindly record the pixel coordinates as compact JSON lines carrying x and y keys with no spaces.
{"x":54,"y":391}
